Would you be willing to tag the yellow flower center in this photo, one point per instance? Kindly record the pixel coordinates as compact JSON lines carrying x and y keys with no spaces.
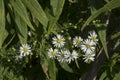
{"x":25,"y":49}
{"x":78,"y":41}
{"x":53,"y":53}
{"x":94,"y":38}
{"x":59,"y":41}
{"x":87,"y":46}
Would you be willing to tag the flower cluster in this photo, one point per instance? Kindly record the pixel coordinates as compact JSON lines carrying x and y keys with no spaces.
{"x":87,"y":46}
{"x":62,"y":54}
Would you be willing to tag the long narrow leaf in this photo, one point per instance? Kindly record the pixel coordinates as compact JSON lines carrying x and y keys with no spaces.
{"x":53,"y":20}
{"x":102,"y":36}
{"x":54,"y":4}
{"x":66,"y":67}
{"x":3,"y":32}
{"x":36,"y":9}
{"x":22,"y":29}
{"x":22,"y":12}
{"x":59,"y":7}
{"x":52,"y":70}
{"x":111,"y":5}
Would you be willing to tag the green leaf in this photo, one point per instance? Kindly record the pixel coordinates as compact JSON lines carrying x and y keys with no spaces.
{"x":103,"y":76}
{"x":52,"y":70}
{"x":22,"y":29}
{"x":53,"y":19}
{"x":36,"y":9}
{"x":3,"y":32}
{"x":59,"y":8}
{"x":66,"y":67}
{"x":6,"y":74}
{"x":117,"y":44}
{"x":54,"y":4}
{"x":117,"y":76}
{"x":22,"y":12}
{"x":2,"y":14}
{"x":110,"y":5}
{"x":116,"y":35}
{"x":102,"y":36}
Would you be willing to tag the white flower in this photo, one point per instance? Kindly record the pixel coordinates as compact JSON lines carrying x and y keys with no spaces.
{"x":52,"y":53}
{"x":89,"y":57}
{"x":93,"y":36}
{"x":63,"y":55}
{"x":88,"y":46}
{"x":72,"y":56}
{"x":77,"y":41}
{"x":58,"y":41}
{"x":25,"y":50}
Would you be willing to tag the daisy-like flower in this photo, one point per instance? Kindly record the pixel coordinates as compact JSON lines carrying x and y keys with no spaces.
{"x":25,"y":50}
{"x":77,"y":41}
{"x":72,"y":56}
{"x":89,"y":57}
{"x":93,"y":36}
{"x":63,"y":55}
{"x":52,"y":53}
{"x":88,"y":46}
{"x":58,"y":41}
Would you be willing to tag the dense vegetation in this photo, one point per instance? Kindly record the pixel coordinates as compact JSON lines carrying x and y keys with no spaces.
{"x":59,"y":39}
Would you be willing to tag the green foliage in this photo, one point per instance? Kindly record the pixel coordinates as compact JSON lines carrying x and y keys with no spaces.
{"x":37,"y":11}
{"x":117,"y":76}
{"x":22,"y":29}
{"x":110,"y":5}
{"x":36,"y":22}
{"x":22,"y":12}
{"x":102,"y":35}
{"x":5,"y":74}
{"x":52,"y":70}
{"x":53,"y":19}
{"x":2,"y":23}
{"x":66,"y":67}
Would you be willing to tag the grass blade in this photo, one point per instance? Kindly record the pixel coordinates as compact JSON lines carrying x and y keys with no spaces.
{"x":102,"y":36}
